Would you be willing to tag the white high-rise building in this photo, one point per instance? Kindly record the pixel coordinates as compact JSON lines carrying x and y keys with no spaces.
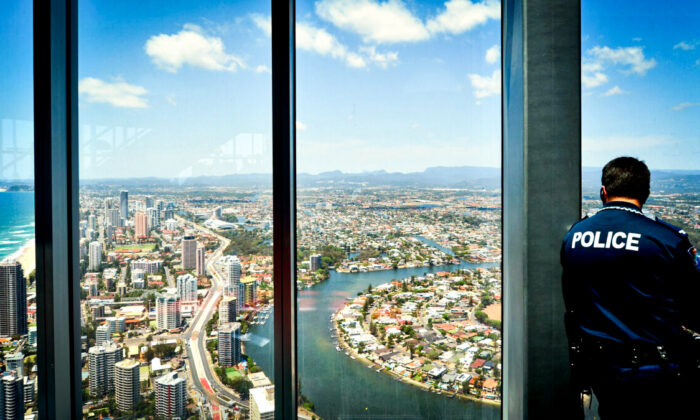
{"x":232,"y":271}
{"x":103,"y":334}
{"x":229,"y":346}
{"x":113,"y":217}
{"x":101,"y":361}
{"x":227,"y":310}
{"x":116,"y":324}
{"x":148,"y":266}
{"x":187,"y":287}
{"x":153,"y":218}
{"x":262,"y":403}
{"x":201,"y":261}
{"x":171,"y":395}
{"x":167,"y":311}
{"x":127,"y":381}
{"x":15,"y":361}
{"x":92,"y":222}
{"x":189,"y":250}
{"x":95,"y":255}
{"x":11,"y":396}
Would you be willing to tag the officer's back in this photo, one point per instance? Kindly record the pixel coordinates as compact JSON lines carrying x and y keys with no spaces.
{"x":630,"y":284}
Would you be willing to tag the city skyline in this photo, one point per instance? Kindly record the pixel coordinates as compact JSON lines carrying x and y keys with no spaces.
{"x":382,"y":99}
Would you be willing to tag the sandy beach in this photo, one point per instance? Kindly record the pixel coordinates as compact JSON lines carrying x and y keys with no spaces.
{"x":26,"y":256}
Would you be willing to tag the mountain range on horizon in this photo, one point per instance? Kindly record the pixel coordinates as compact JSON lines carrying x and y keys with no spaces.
{"x":472,"y":177}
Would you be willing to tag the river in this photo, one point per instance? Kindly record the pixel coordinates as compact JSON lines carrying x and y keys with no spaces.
{"x":342,"y":388}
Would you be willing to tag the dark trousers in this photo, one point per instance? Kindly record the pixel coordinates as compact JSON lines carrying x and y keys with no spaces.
{"x":647,"y":392}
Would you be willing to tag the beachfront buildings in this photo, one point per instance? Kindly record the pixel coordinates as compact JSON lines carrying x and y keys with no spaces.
{"x":126,"y":378}
{"x":95,"y":255}
{"x":232,"y":272}
{"x":13,"y":299}
{"x":101,"y":361}
{"x":170,"y":395}
{"x":187,"y":288}
{"x":229,"y":344}
{"x":227,"y":310}
{"x":167,"y":311}
{"x":11,"y":396}
{"x":262,"y":403}
{"x":189,"y":250}
{"x":200,"y":263}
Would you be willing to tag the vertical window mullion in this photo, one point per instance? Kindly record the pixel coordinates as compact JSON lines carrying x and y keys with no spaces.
{"x":284,"y":207}
{"x":56,"y":189}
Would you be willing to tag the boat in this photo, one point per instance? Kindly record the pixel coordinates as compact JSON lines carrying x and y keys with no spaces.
{"x":347,"y":354}
{"x":337,"y":348}
{"x":352,"y":357}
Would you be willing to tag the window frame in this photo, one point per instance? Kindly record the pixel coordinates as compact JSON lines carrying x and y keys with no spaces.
{"x":532,"y":31}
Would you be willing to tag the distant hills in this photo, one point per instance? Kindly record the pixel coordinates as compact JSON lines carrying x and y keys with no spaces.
{"x":473,"y":177}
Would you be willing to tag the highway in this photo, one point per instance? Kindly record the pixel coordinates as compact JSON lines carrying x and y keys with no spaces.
{"x":195,"y":336}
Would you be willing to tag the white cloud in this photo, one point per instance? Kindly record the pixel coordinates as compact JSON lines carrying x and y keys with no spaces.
{"x":485,"y":86}
{"x":119,"y":93}
{"x":614,"y":91}
{"x":310,"y":38}
{"x":593,"y":80}
{"x":264,"y":23}
{"x":685,"y":46}
{"x":300,"y":126}
{"x":263,"y":69}
{"x":462,"y":15}
{"x":493,"y":54}
{"x":631,"y":57}
{"x":190,"y":46}
{"x":597,"y":58}
{"x":171,"y":99}
{"x":374,"y":21}
{"x":381,"y":59}
{"x":320,"y":41}
{"x":636,"y":39}
{"x":684,"y":105}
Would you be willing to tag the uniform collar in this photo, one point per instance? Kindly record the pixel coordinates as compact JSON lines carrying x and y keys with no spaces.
{"x":622,"y":204}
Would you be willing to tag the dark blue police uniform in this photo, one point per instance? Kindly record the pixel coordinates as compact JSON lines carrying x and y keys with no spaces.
{"x":631,"y":287}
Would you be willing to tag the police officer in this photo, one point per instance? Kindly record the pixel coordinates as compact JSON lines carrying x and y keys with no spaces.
{"x":631,"y":287}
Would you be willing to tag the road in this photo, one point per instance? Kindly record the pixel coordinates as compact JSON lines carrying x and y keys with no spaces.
{"x":195,"y":336}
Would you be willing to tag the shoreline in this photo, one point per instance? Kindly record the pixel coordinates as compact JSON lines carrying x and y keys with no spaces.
{"x":408,"y":381}
{"x":25,"y":255}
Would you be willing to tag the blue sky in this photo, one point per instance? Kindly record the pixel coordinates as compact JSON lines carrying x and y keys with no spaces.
{"x":399,"y":85}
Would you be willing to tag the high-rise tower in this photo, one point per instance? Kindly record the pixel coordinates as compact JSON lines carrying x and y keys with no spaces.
{"x":13,"y":299}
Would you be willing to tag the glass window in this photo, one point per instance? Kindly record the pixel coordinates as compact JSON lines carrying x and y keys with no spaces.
{"x":398,"y":156}
{"x":641,"y":98}
{"x":18,"y":331}
{"x":175,"y":208}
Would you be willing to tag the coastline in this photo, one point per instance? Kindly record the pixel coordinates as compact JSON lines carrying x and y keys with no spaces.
{"x":346,"y":347}
{"x":25,"y":255}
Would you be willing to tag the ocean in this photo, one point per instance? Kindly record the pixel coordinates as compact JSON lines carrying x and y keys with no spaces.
{"x":16,"y":222}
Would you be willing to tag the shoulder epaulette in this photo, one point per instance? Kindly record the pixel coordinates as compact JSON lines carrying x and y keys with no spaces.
{"x":672,"y":227}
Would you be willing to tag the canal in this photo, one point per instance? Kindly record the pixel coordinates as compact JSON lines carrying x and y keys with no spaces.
{"x":342,"y":388}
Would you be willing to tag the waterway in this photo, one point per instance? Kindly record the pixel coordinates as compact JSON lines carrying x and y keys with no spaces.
{"x":342,"y":388}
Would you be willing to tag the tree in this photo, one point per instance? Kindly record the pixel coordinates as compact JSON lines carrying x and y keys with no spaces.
{"x":241,"y":385}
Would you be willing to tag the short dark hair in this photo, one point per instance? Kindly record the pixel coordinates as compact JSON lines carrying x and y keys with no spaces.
{"x":627,"y":177}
